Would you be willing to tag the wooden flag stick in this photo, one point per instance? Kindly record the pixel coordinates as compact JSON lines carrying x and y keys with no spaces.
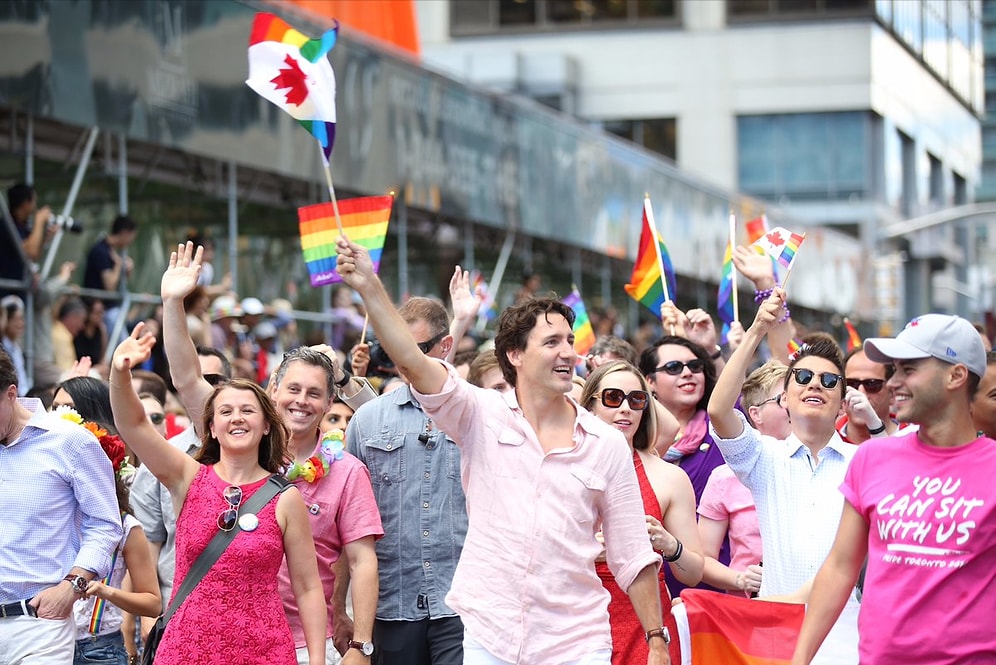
{"x":335,"y":203}
{"x":363,"y":334}
{"x":792,"y":265}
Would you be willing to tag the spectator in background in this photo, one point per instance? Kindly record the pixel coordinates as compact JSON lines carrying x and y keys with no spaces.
{"x":107,"y":263}
{"x":154,"y":411}
{"x":12,"y":336}
{"x":267,"y":352}
{"x":531,"y":283}
{"x":338,"y":416}
{"x":33,"y":228}
{"x":46,"y":371}
{"x":486,"y":373}
{"x":347,"y":319}
{"x":225,"y":313}
{"x":984,"y":401}
{"x":608,"y":348}
{"x":88,"y":396}
{"x":91,"y":341}
{"x":462,"y":361}
{"x":870,"y":379}
{"x":197,"y":306}
{"x":70,"y":320}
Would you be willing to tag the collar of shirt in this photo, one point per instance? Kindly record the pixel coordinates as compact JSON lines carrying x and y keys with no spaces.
{"x":793,"y":445}
{"x":584,"y":420}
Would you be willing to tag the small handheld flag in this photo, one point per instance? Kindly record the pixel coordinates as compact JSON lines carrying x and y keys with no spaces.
{"x":584,"y":335}
{"x":853,"y":338}
{"x":756,"y":228}
{"x":652,"y":281}
{"x":727,"y":288}
{"x":781,"y":245}
{"x":364,"y":220}
{"x":293,"y":72}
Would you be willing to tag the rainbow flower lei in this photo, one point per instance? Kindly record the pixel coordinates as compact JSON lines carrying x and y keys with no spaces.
{"x":316,"y":467}
{"x":112,"y":444}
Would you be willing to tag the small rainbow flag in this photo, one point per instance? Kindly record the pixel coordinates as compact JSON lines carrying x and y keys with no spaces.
{"x":794,"y":347}
{"x":647,"y":286}
{"x":729,"y":629}
{"x":293,"y":72}
{"x":853,"y":338}
{"x":781,"y":245}
{"x":584,"y":335}
{"x":727,"y":313}
{"x":365,"y":222}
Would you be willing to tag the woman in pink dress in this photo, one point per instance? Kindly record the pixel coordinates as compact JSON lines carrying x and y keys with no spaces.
{"x":618,"y":394}
{"x":235,"y":614}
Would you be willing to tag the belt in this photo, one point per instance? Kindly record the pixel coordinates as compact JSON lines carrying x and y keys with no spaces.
{"x":18,"y":609}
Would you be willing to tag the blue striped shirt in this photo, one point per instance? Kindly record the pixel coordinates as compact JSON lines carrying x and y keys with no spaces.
{"x":59,"y":505}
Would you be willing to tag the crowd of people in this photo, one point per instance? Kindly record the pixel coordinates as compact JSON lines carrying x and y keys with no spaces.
{"x":448,"y":501}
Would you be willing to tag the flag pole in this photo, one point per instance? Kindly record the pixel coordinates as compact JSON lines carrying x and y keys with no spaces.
{"x":648,"y":209}
{"x":363,"y":335}
{"x":792,"y":265}
{"x":328,"y":181}
{"x":733,"y":266}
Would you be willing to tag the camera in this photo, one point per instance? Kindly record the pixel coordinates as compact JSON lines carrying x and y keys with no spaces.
{"x":380,"y":362}
{"x":66,"y":223}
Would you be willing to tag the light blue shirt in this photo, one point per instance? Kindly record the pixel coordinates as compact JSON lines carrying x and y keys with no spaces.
{"x":60,"y":509}
{"x":798,"y":501}
{"x":422,"y":506}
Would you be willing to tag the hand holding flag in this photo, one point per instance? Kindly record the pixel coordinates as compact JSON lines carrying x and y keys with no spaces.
{"x":365,"y":219}
{"x":781,"y":245}
{"x":652,"y":281}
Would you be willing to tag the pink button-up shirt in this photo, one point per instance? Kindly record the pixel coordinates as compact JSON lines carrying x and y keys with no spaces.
{"x":525,"y":586}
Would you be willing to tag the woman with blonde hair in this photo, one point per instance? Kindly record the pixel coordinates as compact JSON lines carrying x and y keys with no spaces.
{"x":618,"y":394}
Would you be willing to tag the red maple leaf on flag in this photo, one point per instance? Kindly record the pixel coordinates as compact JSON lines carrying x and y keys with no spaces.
{"x":293,"y":78}
{"x":775,"y":238}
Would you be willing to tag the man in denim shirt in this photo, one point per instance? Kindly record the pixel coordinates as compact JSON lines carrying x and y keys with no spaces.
{"x":415,"y":470}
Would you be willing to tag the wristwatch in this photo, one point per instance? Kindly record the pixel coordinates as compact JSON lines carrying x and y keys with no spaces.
{"x":661,"y":632}
{"x":366,"y":648}
{"x":79,"y":583}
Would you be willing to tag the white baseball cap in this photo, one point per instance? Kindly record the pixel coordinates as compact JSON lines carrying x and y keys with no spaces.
{"x":949,"y":338}
{"x":252,"y":306}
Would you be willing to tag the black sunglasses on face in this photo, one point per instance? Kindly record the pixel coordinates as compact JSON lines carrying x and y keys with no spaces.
{"x":427,"y":345}
{"x":613,"y":398}
{"x":872,"y":386}
{"x":676,"y":367}
{"x":828,"y":380}
{"x":228,"y":517}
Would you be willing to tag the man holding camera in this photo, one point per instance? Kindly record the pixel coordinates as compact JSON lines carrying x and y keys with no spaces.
{"x":34,"y":228}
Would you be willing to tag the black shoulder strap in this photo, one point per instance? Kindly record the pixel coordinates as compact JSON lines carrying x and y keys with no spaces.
{"x":222,"y":539}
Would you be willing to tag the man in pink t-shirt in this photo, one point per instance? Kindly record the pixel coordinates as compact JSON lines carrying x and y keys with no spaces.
{"x":922,"y":508}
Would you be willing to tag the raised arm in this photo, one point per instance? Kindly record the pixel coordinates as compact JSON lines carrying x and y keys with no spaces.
{"x":179,"y":281}
{"x":172,"y":467}
{"x":760,"y":270}
{"x":466,"y":305}
{"x":427,"y":376}
{"x":731,"y":381}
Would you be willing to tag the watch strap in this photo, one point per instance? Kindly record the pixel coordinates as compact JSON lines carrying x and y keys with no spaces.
{"x":661,"y":632}
{"x":346,"y":376}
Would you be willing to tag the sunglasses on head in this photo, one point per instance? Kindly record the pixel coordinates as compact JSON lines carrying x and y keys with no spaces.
{"x":427,"y":345}
{"x":828,"y":380}
{"x":872,"y":386}
{"x":157,"y":418}
{"x":613,"y":398}
{"x":676,"y":367}
{"x":229,"y":516}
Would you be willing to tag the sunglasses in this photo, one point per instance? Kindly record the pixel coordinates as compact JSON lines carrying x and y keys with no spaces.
{"x":427,"y":345}
{"x":229,"y":516}
{"x":774,"y":399}
{"x":828,"y":380}
{"x":613,"y":398}
{"x":157,"y":418}
{"x":676,"y":367}
{"x":872,"y":386}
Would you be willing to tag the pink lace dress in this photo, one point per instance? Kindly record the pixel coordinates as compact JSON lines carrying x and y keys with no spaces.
{"x":235,"y":615}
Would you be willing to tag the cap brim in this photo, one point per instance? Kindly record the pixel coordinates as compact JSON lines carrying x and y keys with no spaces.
{"x":887,"y":349}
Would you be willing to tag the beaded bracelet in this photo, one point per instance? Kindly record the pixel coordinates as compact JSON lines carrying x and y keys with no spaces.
{"x":763,"y":294}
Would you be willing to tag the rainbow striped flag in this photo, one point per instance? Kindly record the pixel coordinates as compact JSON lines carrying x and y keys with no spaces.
{"x":293,"y":72}
{"x":853,"y":338}
{"x":647,"y":286}
{"x":731,"y":629}
{"x":725,"y":297}
{"x":794,"y":347}
{"x":781,"y":245}
{"x":365,"y":222}
{"x":584,"y":335}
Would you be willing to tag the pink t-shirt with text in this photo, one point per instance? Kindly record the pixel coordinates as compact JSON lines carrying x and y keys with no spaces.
{"x":930,"y":589}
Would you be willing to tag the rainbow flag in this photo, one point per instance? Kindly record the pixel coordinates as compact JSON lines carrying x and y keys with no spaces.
{"x":756,"y":228}
{"x":725,"y":297}
{"x":647,"y":286}
{"x":365,"y":222}
{"x":780,"y":244}
{"x":293,"y":72}
{"x":584,"y":335}
{"x":734,"y":630}
{"x":853,"y":338}
{"x":794,"y":347}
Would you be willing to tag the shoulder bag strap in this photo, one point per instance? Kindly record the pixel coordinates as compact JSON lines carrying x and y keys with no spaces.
{"x":222,"y":539}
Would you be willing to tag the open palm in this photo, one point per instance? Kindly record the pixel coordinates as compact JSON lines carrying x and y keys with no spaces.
{"x":180,"y":278}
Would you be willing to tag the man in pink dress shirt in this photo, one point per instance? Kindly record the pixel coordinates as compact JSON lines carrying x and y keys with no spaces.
{"x":541,"y":477}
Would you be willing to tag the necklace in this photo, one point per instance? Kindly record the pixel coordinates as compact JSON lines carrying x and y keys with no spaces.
{"x":317,"y":466}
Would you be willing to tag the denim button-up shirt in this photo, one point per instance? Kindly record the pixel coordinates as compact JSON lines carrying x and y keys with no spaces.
{"x":415,"y":473}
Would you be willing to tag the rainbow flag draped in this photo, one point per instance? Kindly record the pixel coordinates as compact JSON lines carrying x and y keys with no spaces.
{"x":647,"y":286}
{"x":853,"y":338}
{"x":293,"y":72}
{"x":365,"y":222}
{"x":756,"y":228}
{"x":781,"y":245}
{"x":738,"y":631}
{"x":725,"y":297}
{"x":584,"y":335}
